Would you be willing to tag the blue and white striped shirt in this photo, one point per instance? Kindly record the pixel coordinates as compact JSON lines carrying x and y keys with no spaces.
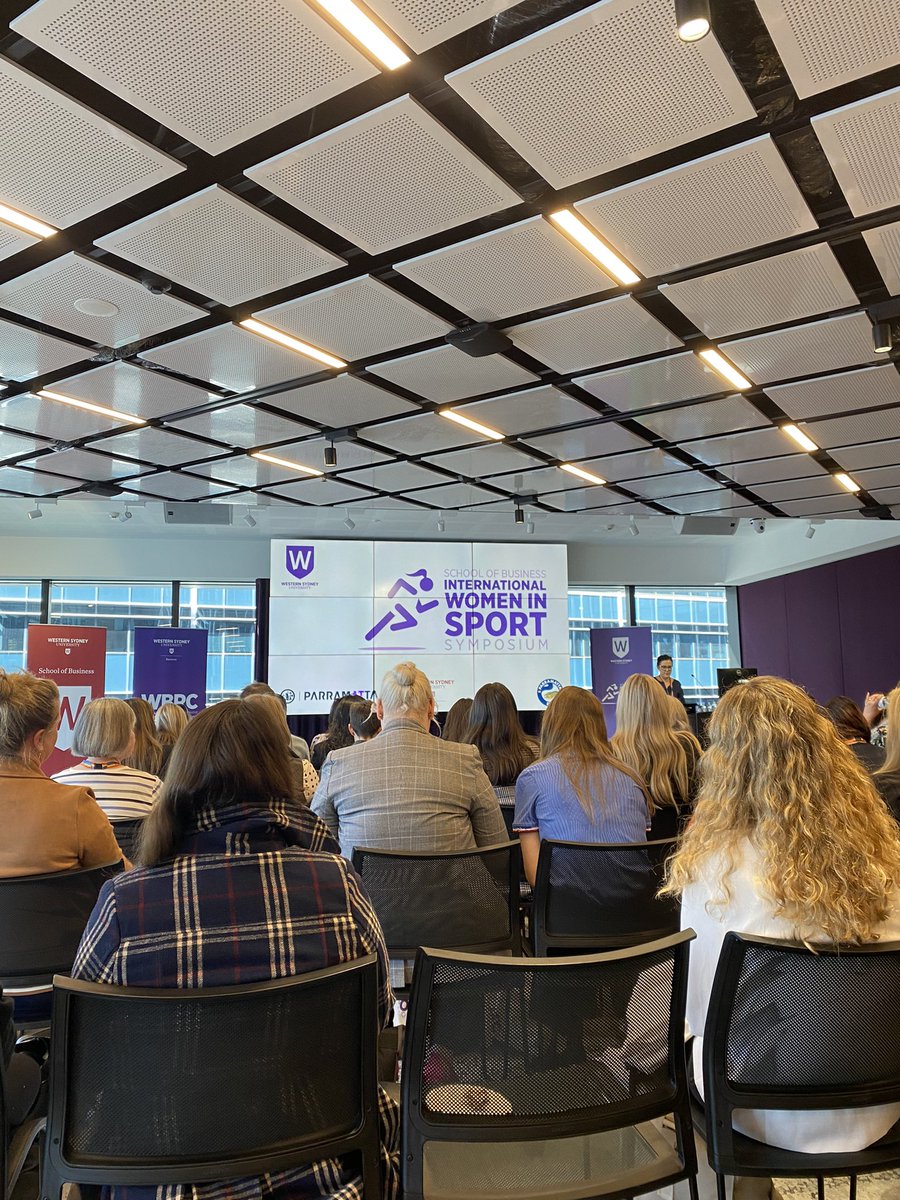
{"x":546,"y":802}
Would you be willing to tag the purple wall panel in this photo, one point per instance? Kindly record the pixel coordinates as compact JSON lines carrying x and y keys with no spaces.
{"x":830,"y":628}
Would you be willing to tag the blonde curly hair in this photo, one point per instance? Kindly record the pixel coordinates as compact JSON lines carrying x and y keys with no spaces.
{"x":777,"y":773}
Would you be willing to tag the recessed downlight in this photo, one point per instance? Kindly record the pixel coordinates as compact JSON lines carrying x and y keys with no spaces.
{"x":484,"y":430}
{"x":692,"y":19}
{"x":594,"y":246}
{"x":20,"y":220}
{"x":285,"y":462}
{"x":89,"y":406}
{"x":580,"y":472}
{"x":292,"y":343}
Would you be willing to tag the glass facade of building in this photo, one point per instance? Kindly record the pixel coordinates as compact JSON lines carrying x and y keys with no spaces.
{"x":228,"y":612}
{"x":20,"y":606}
{"x":591,"y":608}
{"x":691,"y":624}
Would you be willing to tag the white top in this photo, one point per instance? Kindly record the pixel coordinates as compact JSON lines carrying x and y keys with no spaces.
{"x":748,"y":911}
{"x":123,"y":793}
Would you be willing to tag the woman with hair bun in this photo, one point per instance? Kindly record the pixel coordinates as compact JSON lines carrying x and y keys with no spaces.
{"x":362,"y":721}
{"x":789,"y":839}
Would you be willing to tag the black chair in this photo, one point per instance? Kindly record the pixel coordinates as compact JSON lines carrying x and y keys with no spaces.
{"x":599,"y":896}
{"x":155,"y":1086}
{"x":791,"y":1029}
{"x":15,"y":1143}
{"x":465,"y":900}
{"x":521,"y":1079}
{"x":42,"y":918}
{"x":126,"y":834}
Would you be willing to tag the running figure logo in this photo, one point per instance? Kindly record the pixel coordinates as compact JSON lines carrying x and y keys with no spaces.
{"x":400,"y":614}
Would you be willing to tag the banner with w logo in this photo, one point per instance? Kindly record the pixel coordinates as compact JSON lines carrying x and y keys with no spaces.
{"x":616,"y":654}
{"x":74,"y":657}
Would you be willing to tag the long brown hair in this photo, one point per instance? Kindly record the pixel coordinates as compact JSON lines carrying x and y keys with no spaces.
{"x":574,"y":731}
{"x":849,"y":719}
{"x":148,"y":753}
{"x":494,"y":727}
{"x":777,"y":774}
{"x":457,"y":721}
{"x":231,"y":753}
{"x":646,"y":741}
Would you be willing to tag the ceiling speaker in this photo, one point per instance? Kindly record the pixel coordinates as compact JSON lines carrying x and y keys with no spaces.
{"x":706,"y":526}
{"x":479,"y":340}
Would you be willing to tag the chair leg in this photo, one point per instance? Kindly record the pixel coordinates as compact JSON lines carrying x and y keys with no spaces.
{"x":820,"y":1181}
{"x":692,"y":1187}
{"x":720,"y":1187}
{"x":852,"y":1187}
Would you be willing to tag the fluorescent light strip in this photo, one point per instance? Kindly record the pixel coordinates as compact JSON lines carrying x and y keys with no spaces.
{"x":284,"y":462}
{"x":128,"y":418}
{"x":361,"y":27}
{"x":846,"y":482}
{"x":723,"y":367}
{"x":579,"y":232}
{"x":25,"y":223}
{"x":292,"y":343}
{"x":582,"y":474}
{"x":798,"y":436}
{"x":485,"y":430}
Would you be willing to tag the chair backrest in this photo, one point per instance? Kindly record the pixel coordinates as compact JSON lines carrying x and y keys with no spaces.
{"x":42,"y":918}
{"x":459,"y":900}
{"x":126,"y":833}
{"x":598,"y":896}
{"x":150,"y":1086}
{"x":501,"y":1049}
{"x":792,"y":1028}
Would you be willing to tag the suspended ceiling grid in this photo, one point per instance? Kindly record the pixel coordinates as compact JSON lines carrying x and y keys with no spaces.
{"x":253,"y":161}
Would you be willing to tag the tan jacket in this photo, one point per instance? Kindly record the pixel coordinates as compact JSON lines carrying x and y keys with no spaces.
{"x":47,"y":826}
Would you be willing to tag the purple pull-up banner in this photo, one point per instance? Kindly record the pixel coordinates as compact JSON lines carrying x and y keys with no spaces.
{"x":170,"y":667}
{"x":616,"y":654}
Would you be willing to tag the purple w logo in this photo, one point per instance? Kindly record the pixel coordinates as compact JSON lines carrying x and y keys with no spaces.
{"x":300,"y":560}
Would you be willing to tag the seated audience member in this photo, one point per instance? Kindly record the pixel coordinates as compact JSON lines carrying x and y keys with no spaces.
{"x":304,"y":776}
{"x":457,"y":720}
{"x":46,"y":827}
{"x":267,"y":895}
{"x":171,"y":722}
{"x":147,"y":754}
{"x":363,"y":721}
{"x":406,"y":790}
{"x":21,"y":1072}
{"x":578,"y":791}
{"x":887,"y":777}
{"x":337,"y":736}
{"x":853,"y":729}
{"x":495,"y":731}
{"x":298,"y":744}
{"x":104,"y":735}
{"x":667,"y":761}
{"x":664,"y":678}
{"x":788,"y":840}
{"x":679,"y":718}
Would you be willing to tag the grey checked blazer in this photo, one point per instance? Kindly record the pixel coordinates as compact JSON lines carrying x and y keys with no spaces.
{"x":407,"y":790}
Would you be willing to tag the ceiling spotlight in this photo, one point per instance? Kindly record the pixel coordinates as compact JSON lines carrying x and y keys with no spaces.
{"x":633,"y":528}
{"x":349,"y":523}
{"x":529,"y":525}
{"x":810,"y":530}
{"x":331,"y":455}
{"x":34,"y":513}
{"x":882,"y":337}
{"x":127,"y":514}
{"x":249,"y":520}
{"x":693,"y":20}
{"x":441,"y":523}
{"x":520,"y":516}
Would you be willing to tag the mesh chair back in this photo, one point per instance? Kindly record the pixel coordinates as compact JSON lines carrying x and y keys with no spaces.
{"x":156,"y":1086}
{"x":126,"y":835}
{"x":463,"y":900}
{"x":42,"y":918}
{"x":594,"y":896}
{"x":533,"y":1049}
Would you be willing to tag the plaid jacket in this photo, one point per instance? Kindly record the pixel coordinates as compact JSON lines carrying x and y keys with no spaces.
{"x":300,"y":907}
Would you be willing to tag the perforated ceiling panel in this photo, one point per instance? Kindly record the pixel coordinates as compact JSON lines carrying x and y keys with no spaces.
{"x":881,"y":477}
{"x":841,"y":506}
{"x":486,"y":459}
{"x":513,"y":270}
{"x":787,"y":287}
{"x":861,"y":427}
{"x":824,"y":43}
{"x":617,"y":58}
{"x":155,"y":446}
{"x":48,"y":295}
{"x":451,"y":495}
{"x":243,"y":471}
{"x":25,"y":353}
{"x":13,"y":446}
{"x":356,"y":319}
{"x":420,"y":179}
{"x":12,"y":241}
{"x":394,"y":477}
{"x":828,"y":345}
{"x":170,"y":486}
{"x":217,"y":71}
{"x":723,"y":501}
{"x":130,"y":390}
{"x":340,"y":402}
{"x":710,"y":208}
{"x":526,"y":412}
{"x":868,"y":388}
{"x":243,"y":425}
{"x":232,"y":358}
{"x":773,"y":470}
{"x":884,"y":243}
{"x":657,"y":487}
{"x":50,"y":419}
{"x":448,"y":374}
{"x":82,"y":464}
{"x":741,"y":447}
{"x":421,"y":434}
{"x":325,"y":491}
{"x":424,"y":23}
{"x":645,"y":463}
{"x":66,"y":162}
{"x":26,"y":482}
{"x":874,"y":454}
{"x":798,"y":489}
{"x":220,"y":246}
{"x":593,"y":336}
{"x":607,"y":438}
{"x":705,"y":420}
{"x":660,"y":381}
{"x":862,"y":141}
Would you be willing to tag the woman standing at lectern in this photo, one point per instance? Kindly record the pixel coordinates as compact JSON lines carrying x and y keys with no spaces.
{"x":664,"y":677}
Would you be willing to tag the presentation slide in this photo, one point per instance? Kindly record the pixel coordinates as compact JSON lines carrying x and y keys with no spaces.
{"x":341,"y":613}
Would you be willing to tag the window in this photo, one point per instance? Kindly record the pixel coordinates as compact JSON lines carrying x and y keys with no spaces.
{"x":119,"y":608}
{"x":691,"y":624}
{"x":591,"y":608}
{"x":20,"y":606}
{"x":228,"y":611}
